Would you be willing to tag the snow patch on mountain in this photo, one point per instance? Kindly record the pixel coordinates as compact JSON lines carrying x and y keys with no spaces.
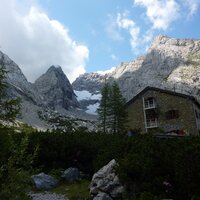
{"x":92,"y":109}
{"x":88,"y":101}
{"x":86,"y":95}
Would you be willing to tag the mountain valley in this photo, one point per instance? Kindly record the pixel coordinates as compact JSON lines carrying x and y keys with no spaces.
{"x":169,"y":63}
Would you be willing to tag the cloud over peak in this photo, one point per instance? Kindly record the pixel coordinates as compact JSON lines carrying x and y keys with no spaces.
{"x":161,"y":13}
{"x":35,"y":42}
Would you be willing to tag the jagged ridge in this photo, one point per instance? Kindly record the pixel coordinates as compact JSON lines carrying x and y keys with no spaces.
{"x":170,"y":63}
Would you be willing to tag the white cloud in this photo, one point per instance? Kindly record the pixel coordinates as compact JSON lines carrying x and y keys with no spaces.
{"x":36,"y":42}
{"x":148,"y":36}
{"x":125,"y":23}
{"x":114,"y":57}
{"x":193,"y":6}
{"x":112,"y":29}
{"x":106,"y":71}
{"x":161,"y":13}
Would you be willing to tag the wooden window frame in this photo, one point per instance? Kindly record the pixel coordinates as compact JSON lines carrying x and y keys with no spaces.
{"x":172,"y":114}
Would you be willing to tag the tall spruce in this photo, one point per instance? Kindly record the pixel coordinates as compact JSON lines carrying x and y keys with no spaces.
{"x":118,"y":116}
{"x":103,"y":109}
{"x":9,"y":108}
{"x":112,"y":115}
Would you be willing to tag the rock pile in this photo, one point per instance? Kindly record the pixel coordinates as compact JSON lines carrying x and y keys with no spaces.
{"x":105,"y":184}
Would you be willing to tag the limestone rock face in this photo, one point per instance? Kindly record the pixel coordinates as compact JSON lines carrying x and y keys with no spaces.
{"x":170,"y":63}
{"x":105,"y":181}
{"x":18,"y":86}
{"x":51,"y":96}
{"x":56,"y":89}
{"x":44,"y":181}
{"x":102,"y":196}
{"x":90,"y":82}
{"x":88,"y":87}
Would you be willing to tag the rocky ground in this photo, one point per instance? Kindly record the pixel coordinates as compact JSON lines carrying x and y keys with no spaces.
{"x":47,"y":196}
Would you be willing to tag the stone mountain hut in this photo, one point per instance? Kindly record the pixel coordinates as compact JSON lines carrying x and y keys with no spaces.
{"x":165,"y":110}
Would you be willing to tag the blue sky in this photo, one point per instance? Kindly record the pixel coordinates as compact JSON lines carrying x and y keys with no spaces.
{"x":89,"y":35}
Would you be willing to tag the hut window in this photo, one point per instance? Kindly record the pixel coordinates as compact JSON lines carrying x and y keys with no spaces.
{"x":172,"y":114}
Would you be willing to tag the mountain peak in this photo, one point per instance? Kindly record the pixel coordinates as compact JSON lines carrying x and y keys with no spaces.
{"x":56,"y":88}
{"x":55,"y":67}
{"x":165,"y":40}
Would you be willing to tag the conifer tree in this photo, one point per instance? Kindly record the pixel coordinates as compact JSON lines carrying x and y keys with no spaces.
{"x":112,"y":115}
{"x":103,"y":109}
{"x":117,"y":117}
{"x":9,"y":108}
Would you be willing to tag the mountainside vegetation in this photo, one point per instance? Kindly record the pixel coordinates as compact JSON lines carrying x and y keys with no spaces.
{"x":148,"y":166}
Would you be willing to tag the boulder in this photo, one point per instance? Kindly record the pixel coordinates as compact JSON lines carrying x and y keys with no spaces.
{"x":44,"y":181}
{"x":71,"y":174}
{"x":106,"y":181}
{"x":102,"y":196}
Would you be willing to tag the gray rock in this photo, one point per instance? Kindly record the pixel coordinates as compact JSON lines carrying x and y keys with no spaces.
{"x":52,"y":93}
{"x":106,"y":181}
{"x":17,"y":82}
{"x":56,"y":89}
{"x":44,"y":181}
{"x":18,"y":86}
{"x":71,"y":174}
{"x":102,"y":196}
{"x":46,"y":196}
{"x":170,"y":63}
{"x":91,"y":82}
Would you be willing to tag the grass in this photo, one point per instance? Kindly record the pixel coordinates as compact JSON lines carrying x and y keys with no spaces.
{"x":78,"y":190}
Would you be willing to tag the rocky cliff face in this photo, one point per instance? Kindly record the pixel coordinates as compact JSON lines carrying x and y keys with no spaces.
{"x":17,"y":82}
{"x":87,"y":88}
{"x":50,"y":92}
{"x":170,"y":63}
{"x":18,"y":86}
{"x":92,"y":82}
{"x":56,"y":89}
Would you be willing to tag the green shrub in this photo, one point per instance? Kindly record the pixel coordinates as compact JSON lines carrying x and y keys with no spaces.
{"x":148,"y":196}
{"x":146,"y":163}
{"x":15,"y":178}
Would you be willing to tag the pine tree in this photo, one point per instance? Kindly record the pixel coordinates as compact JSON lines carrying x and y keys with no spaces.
{"x":112,"y":115}
{"x":117,"y":117}
{"x":103,"y":108}
{"x":9,"y":108}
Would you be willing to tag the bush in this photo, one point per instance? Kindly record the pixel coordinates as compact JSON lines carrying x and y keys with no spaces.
{"x":15,"y":166}
{"x":164,"y":168}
